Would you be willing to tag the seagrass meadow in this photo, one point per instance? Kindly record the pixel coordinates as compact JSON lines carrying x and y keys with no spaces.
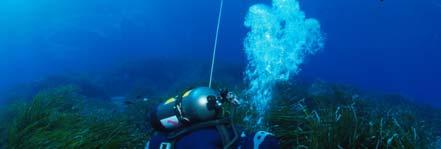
{"x":301,"y":115}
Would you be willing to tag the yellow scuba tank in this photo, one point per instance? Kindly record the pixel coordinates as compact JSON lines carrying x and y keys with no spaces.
{"x":196,"y":105}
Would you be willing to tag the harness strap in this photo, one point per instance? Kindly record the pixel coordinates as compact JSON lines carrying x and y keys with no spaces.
{"x":224,"y":134}
{"x":194,"y":127}
{"x":221,"y":126}
{"x":234,"y":139}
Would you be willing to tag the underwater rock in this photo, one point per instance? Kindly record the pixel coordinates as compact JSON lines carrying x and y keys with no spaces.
{"x":84,"y":84}
{"x":119,"y":101}
{"x":320,"y":88}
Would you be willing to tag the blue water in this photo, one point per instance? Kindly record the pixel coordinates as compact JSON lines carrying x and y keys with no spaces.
{"x":392,"y":46}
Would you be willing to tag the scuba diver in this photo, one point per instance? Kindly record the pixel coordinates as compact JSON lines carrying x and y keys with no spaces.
{"x":198,"y":119}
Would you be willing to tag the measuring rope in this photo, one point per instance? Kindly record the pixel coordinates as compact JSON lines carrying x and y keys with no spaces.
{"x":215,"y":42}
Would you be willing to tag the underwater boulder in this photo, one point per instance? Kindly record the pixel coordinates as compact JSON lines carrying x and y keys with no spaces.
{"x":320,"y":88}
{"x":118,"y":101}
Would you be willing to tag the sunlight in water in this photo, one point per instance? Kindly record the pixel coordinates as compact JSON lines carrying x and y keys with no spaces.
{"x":279,"y":38}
